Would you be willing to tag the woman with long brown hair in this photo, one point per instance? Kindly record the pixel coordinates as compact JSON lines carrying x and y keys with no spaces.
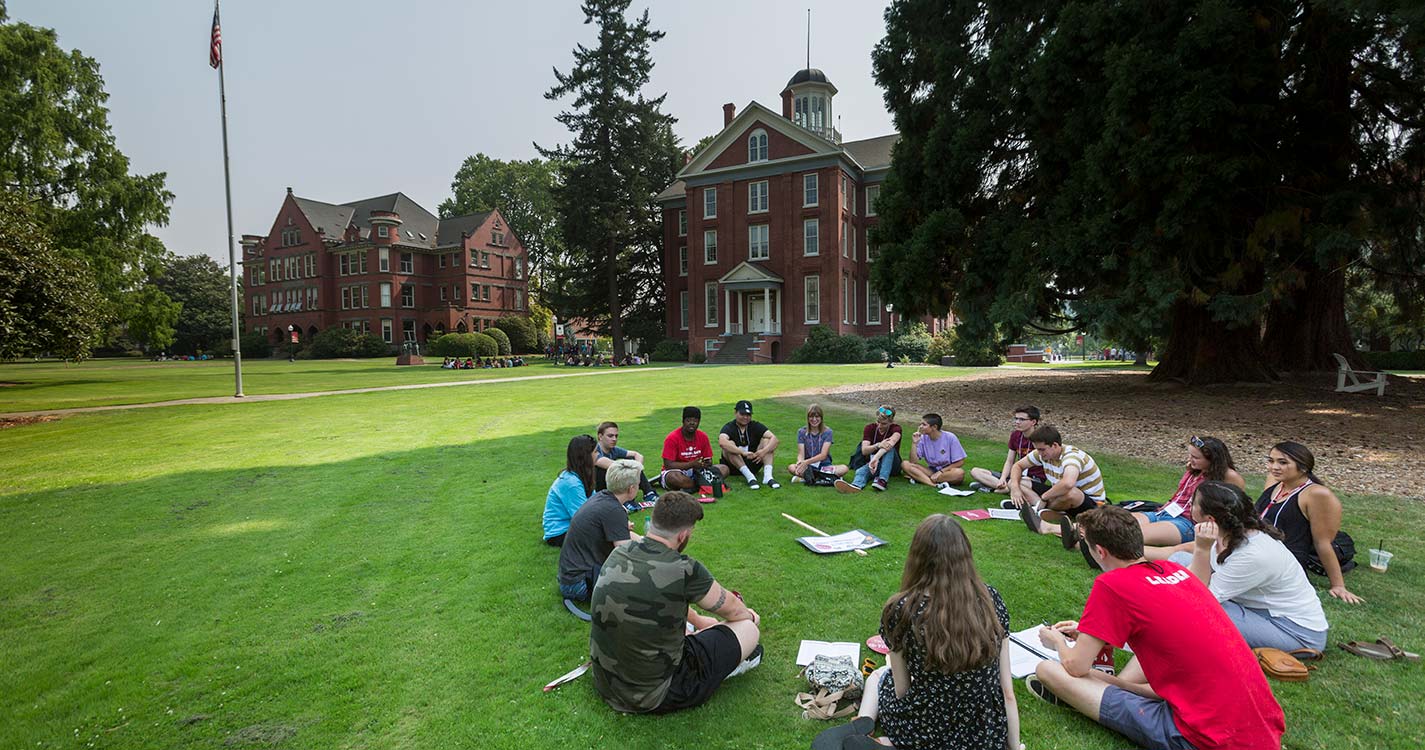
{"x":947,"y":683}
{"x":814,"y":447}
{"x":570,"y":489}
{"x":1308,"y":514}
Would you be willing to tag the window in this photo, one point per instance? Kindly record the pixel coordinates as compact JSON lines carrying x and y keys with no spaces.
{"x":757,"y":245}
{"x":383,"y":231}
{"x":845,"y":297}
{"x":386,"y":330}
{"x":442,"y":294}
{"x":257,"y":306}
{"x":310,"y":265}
{"x":407,"y":264}
{"x":474,"y":292}
{"x":386,"y":296}
{"x":682,"y":222}
{"x":811,"y":237}
{"x":870,"y":250}
{"x":485,"y":293}
{"x":408,"y":295}
{"x":873,"y":305}
{"x":442,"y":260}
{"x":710,"y":304}
{"x":408,"y":330}
{"x":519,"y":268}
{"x":845,"y":192}
{"x":757,"y":146}
{"x":853,"y":242}
{"x":455,"y":291}
{"x":855,"y":311}
{"x":845,"y":235}
{"x":383,"y":259}
{"x":872,"y":193}
{"x":710,"y":247}
{"x":519,"y":300}
{"x":275,"y":266}
{"x":710,"y":203}
{"x":346,"y":297}
{"x":484,"y":259}
{"x":811,"y":311}
{"x":683,"y":310}
{"x":757,"y":197}
{"x":683,"y":261}
{"x":809,"y":190}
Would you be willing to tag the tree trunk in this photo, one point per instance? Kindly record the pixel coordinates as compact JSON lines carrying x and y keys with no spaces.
{"x":615,"y":308}
{"x":1304,"y":328}
{"x":1201,"y":350}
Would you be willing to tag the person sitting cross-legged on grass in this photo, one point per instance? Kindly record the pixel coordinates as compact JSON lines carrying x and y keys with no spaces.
{"x":1192,"y":682}
{"x":608,"y":451}
{"x":814,"y":448}
{"x":1075,"y":484}
{"x":1024,"y":419}
{"x":570,"y":489}
{"x":878,"y":454}
{"x":643,"y":659}
{"x":687,"y":457}
{"x":1170,"y":528}
{"x":946,"y":682}
{"x":1308,"y":514}
{"x":941,"y":451}
{"x":1243,"y":562}
{"x":749,"y":447}
{"x":600,"y":525}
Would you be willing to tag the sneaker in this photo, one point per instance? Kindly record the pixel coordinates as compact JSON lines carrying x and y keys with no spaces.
{"x":1041,"y":690}
{"x":1088,"y":558}
{"x":1006,"y":505}
{"x":1030,"y":516}
{"x":878,"y":484}
{"x":650,"y":497}
{"x":706,"y":499}
{"x":796,"y":479}
{"x":753,"y":485}
{"x":846,"y":488}
{"x":748,"y":664}
{"x":774,"y":484}
{"x":976,"y":486}
{"x":912,"y":481}
{"x":942,"y":486}
{"x":1068,"y":534}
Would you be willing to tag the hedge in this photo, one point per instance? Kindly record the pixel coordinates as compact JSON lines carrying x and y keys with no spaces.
{"x":336,"y":343}
{"x":523,"y":338}
{"x":502,"y":341}
{"x":670,"y":350}
{"x":1396,"y":360}
{"x":463,"y":345}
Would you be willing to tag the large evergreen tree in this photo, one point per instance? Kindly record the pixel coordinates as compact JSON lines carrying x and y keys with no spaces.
{"x":622,"y":154}
{"x":1141,"y":170}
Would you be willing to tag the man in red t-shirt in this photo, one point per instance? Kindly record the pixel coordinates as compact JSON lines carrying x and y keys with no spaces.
{"x":1192,"y":683}
{"x":687,"y":453}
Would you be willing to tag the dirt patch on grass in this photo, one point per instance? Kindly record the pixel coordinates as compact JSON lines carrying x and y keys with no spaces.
{"x":267,"y":735}
{"x":8,"y":422}
{"x":1364,"y":444}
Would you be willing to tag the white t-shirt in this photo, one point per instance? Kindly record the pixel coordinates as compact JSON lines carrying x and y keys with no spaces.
{"x":1262,"y":574}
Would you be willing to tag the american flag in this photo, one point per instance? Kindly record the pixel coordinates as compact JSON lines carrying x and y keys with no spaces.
{"x":215,"y":48}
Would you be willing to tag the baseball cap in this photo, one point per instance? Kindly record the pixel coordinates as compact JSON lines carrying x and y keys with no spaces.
{"x":743,"y":407}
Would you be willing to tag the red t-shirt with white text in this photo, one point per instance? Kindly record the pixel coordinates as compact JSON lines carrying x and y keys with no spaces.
{"x":1190,"y":652}
{"x":677,"y":447}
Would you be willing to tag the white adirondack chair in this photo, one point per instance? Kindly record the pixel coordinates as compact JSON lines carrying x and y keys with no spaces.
{"x":1361,"y":380}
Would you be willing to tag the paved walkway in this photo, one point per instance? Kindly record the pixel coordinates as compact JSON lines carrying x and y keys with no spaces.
{"x":313,"y":394}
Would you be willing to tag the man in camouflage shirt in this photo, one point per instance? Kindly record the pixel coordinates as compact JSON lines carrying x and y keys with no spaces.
{"x":643,"y":658}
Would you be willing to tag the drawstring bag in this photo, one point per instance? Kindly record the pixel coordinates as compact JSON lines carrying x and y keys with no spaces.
{"x":833,"y":678}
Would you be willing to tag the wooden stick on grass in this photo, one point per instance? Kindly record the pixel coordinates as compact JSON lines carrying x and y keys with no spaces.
{"x":815,"y":530}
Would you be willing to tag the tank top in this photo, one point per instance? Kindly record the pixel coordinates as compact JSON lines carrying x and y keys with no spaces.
{"x":1286,"y":515}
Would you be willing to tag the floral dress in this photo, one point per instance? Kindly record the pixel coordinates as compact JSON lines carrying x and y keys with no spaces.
{"x":964,"y":710}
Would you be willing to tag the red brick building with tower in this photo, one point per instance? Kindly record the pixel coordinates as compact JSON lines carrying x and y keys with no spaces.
{"x":382,"y":265}
{"x":764,"y":232}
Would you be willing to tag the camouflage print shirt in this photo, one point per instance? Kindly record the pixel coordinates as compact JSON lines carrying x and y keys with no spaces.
{"x":640,"y":608}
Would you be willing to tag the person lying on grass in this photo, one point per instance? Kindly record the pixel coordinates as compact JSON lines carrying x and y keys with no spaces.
{"x":687,"y":456}
{"x":1024,"y":419}
{"x":947,"y":681}
{"x":1192,"y":682}
{"x":1170,"y":529}
{"x":1243,"y":562}
{"x":1075,"y":484}
{"x":608,"y":451}
{"x":570,"y":489}
{"x":749,"y":447}
{"x":599,"y":526}
{"x":814,"y":448}
{"x":878,"y":455}
{"x":941,"y":452}
{"x":643,"y":658}
{"x":1308,"y":514}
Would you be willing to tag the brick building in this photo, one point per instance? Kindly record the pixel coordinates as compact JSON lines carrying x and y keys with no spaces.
{"x":381,"y":265}
{"x":764,"y":232}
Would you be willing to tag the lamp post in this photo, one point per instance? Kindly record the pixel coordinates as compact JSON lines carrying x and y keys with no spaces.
{"x":891,"y":321}
{"x":291,"y":343}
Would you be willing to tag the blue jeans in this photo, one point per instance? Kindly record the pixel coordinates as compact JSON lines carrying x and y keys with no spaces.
{"x":1260,"y":628}
{"x":863,"y":474}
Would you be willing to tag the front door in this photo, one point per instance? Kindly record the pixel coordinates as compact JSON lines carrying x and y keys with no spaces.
{"x":757,"y":314}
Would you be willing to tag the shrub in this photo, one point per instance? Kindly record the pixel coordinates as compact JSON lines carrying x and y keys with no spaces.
{"x":463,"y":345}
{"x":1396,"y":360}
{"x":942,"y":345}
{"x":502,"y":341}
{"x":485,"y":346}
{"x":372,"y":345}
{"x":878,"y":348}
{"x":699,"y":358}
{"x":824,"y":345}
{"x":521,"y":333}
{"x":969,"y":353}
{"x":670,"y":350}
{"x":255,"y":344}
{"x":911,"y":343}
{"x":335,"y":342}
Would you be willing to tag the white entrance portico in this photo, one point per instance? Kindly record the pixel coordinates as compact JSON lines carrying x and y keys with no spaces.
{"x":753,"y":298}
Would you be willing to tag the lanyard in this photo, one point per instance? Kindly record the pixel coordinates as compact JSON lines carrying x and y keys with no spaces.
{"x":1281,"y":504}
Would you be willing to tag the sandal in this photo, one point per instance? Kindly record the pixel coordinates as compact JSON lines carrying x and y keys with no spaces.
{"x":1307,"y":654}
{"x":822,"y":706}
{"x":1397,"y":652}
{"x":1368,"y":650}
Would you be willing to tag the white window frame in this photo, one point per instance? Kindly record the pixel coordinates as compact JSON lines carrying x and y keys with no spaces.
{"x":710,"y":203}
{"x":710,"y":308}
{"x":845,"y":232}
{"x":811,"y":241}
{"x":408,"y":263}
{"x":383,"y":259}
{"x":683,"y":260}
{"x":757,"y":146}
{"x":386,"y":326}
{"x":683,"y":310}
{"x":811,"y":298}
{"x":872,"y":193}
{"x":811,"y":190}
{"x":873,"y":312}
{"x":759,"y":236}
{"x":383,"y":231}
{"x":757,"y":197}
{"x":412,"y":289}
{"x":709,"y":258}
{"x":682,"y":222}
{"x":385,"y":294}
{"x":845,"y":298}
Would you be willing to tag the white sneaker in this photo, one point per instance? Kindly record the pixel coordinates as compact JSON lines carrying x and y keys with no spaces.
{"x":748,"y":664}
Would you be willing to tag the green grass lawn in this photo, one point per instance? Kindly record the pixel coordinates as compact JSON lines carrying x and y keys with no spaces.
{"x":365,"y":571}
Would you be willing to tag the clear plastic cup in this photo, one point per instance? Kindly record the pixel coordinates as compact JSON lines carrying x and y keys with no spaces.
{"x":1380,"y":560}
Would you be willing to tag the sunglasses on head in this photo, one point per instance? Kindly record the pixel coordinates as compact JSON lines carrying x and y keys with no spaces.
{"x":1197,"y":442}
{"x":883,"y":411}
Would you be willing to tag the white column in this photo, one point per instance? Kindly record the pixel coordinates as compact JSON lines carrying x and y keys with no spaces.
{"x":766,"y":304}
{"x":727,"y":312}
{"x":779,"y":312}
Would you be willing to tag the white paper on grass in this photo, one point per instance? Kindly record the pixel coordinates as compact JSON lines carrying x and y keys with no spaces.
{"x":811,"y":649}
{"x":1023,"y":661}
{"x":952,"y":492}
{"x":1004,"y":514}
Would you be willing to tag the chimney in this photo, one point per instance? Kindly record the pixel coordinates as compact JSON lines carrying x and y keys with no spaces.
{"x":729,"y":111}
{"x":787,"y":104}
{"x":688,"y":157}
{"x":289,"y":191}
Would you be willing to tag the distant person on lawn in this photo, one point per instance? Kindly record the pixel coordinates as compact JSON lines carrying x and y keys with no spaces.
{"x":599,"y":526}
{"x":643,"y":658}
{"x":814,"y":448}
{"x":878,"y":455}
{"x":1192,"y":682}
{"x":1075,"y":484}
{"x":941,"y":451}
{"x":570,"y":489}
{"x":1024,"y":419}
{"x":1170,"y":528}
{"x":608,"y":451}
{"x":688,"y":457}
{"x":1308,"y":514}
{"x":749,"y":447}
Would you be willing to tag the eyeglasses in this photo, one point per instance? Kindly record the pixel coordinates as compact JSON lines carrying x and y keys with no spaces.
{"x":1020,"y":419}
{"x":883,"y":411}
{"x":1197,"y":441}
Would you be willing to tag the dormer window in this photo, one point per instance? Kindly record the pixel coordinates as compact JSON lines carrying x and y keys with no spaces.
{"x":383,"y":231}
{"x":757,"y":146}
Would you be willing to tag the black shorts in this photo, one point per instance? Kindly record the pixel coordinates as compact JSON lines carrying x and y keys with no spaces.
{"x":1039,"y":487}
{"x":1088,"y":504}
{"x":708,"y":658}
{"x":753,"y":466}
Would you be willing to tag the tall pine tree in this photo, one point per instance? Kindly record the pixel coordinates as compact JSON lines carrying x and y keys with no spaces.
{"x":622,"y":154}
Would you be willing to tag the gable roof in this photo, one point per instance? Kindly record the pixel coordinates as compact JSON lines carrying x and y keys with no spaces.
{"x":872,"y":153}
{"x":746,"y":273}
{"x":755,"y":112}
{"x":449,"y":230}
{"x":415,"y":220}
{"x":328,"y":219}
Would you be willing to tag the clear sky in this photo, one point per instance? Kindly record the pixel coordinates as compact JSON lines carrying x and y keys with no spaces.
{"x":347,"y":99}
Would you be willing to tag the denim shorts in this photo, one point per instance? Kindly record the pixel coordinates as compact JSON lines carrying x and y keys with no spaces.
{"x":1148,"y":722}
{"x":1184,"y":524}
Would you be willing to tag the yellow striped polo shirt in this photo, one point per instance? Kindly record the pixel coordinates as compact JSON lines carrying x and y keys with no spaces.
{"x":1090,"y":480}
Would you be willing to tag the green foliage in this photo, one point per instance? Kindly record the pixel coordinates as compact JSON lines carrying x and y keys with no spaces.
{"x":542,"y":318}
{"x":523,"y":191}
{"x":911,"y":343}
{"x":670,"y":350}
{"x":502,"y":342}
{"x":1396,"y":360}
{"x":150,"y":317}
{"x":202,"y":287}
{"x":975,"y":353}
{"x":255,"y":344}
{"x":941,"y":345}
{"x":523,"y":338}
{"x":342,"y":343}
{"x":463,"y":345}
{"x":49,"y":303}
{"x":825,"y":345}
{"x":699,"y":358}
{"x":877,"y":348}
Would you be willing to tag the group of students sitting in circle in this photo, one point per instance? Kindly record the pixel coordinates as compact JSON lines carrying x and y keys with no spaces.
{"x":481,"y":363}
{"x":1209,"y":561}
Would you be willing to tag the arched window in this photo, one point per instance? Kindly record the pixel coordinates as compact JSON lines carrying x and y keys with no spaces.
{"x":757,"y":146}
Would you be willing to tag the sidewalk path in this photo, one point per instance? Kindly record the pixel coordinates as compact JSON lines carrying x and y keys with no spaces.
{"x":312,"y":394}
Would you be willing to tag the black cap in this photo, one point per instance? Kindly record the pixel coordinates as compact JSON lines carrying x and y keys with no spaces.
{"x":743,"y":407}
{"x":692,"y":411}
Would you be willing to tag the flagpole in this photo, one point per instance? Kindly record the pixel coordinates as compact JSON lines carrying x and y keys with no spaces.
{"x":232,"y":255}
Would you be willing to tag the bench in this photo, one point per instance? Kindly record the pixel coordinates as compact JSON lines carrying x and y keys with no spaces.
{"x":1372,"y":380}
